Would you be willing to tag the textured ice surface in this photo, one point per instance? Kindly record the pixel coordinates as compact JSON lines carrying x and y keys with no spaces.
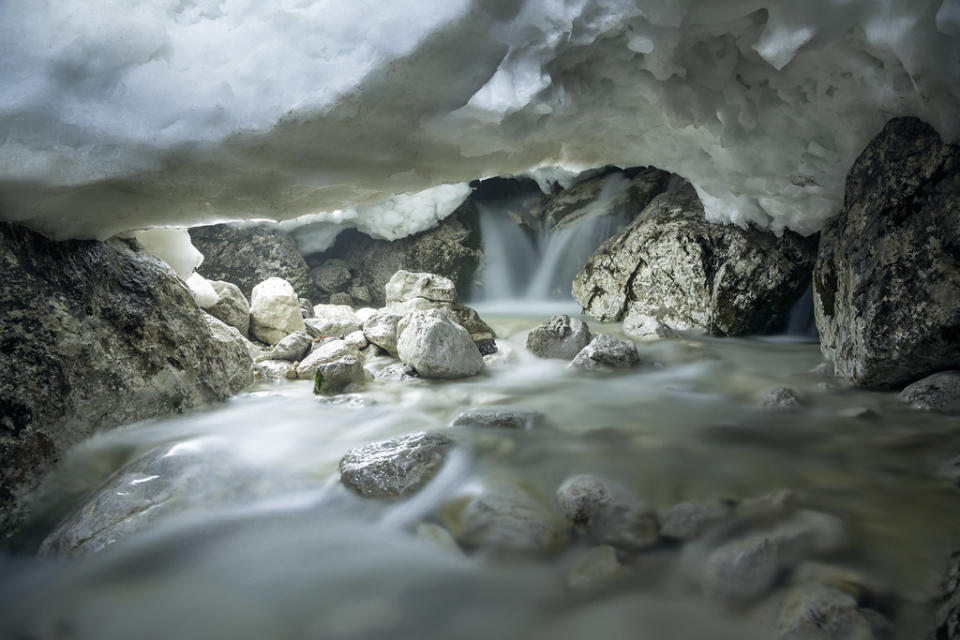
{"x":390,"y":219}
{"x":136,"y":113}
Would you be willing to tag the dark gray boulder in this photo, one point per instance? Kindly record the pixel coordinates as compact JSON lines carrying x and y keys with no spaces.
{"x":451,"y":249}
{"x":394,"y":467}
{"x":887,"y":278}
{"x":95,"y":335}
{"x":247,"y":254}
{"x":939,"y":392}
{"x":673,"y":265}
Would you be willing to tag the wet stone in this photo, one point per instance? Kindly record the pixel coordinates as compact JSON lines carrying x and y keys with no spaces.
{"x":606,"y":353}
{"x":819,"y":612}
{"x":500,"y":417}
{"x":632,"y":527}
{"x":395,"y":467}
{"x":510,"y":518}
{"x":939,"y":392}
{"x":583,"y":499}
{"x":559,"y":337}
{"x":597,"y":567}
{"x":688,"y":520}
{"x":782,"y":399}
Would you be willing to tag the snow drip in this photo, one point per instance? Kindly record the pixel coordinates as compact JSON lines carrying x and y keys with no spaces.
{"x":143,"y":113}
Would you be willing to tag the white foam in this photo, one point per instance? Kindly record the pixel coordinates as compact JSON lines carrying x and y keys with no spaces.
{"x":139,"y":113}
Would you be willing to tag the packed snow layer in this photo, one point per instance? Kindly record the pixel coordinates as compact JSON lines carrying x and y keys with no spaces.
{"x":173,"y":246}
{"x":390,"y":219}
{"x":140,"y":113}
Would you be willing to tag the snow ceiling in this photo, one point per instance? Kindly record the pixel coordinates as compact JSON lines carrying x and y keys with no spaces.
{"x":123,"y":114}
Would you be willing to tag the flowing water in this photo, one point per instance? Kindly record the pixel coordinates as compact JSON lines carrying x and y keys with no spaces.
{"x":231,"y":522}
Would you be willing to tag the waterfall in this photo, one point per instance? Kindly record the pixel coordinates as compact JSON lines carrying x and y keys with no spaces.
{"x":528,"y":267}
{"x":801,"y":322}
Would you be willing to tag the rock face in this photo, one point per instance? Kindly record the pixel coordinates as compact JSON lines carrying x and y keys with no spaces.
{"x":247,"y":254}
{"x":94,"y":335}
{"x":436,"y":347}
{"x":939,"y":392}
{"x":274,"y":311}
{"x":887,"y":279}
{"x":605,"y":192}
{"x":451,"y":249}
{"x":232,"y":307}
{"x":559,"y":337}
{"x":673,"y":265}
{"x":395,"y":467}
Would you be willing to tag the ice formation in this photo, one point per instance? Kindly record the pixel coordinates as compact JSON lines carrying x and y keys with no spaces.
{"x":143,"y":113}
{"x":173,"y":246}
{"x":390,"y":219}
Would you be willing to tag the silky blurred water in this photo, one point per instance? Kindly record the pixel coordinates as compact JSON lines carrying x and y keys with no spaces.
{"x":249,"y":534}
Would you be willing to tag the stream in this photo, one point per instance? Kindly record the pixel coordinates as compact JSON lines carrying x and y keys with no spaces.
{"x":231,"y":522}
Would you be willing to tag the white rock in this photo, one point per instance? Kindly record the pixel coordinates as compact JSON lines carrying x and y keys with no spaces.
{"x":274,"y":311}
{"x":363,"y":313}
{"x":327,"y":352}
{"x":639,"y":326}
{"x":405,"y":285}
{"x":606,"y":353}
{"x":357,"y":339}
{"x":436,"y":347}
{"x":202,"y":291}
{"x":380,"y":328}
{"x":233,"y":307}
{"x":334,"y":319}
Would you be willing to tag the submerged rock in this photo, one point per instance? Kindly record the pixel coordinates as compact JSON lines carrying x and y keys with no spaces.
{"x":436,"y":347}
{"x":274,"y":311}
{"x":782,"y":399}
{"x":689,"y":520}
{"x":595,"y":568}
{"x":232,"y":307}
{"x":584,"y":499}
{"x":293,"y":348}
{"x":94,"y":335}
{"x":948,"y":609}
{"x":249,"y":253}
{"x":672,"y":264}
{"x":632,"y":527}
{"x":394,"y":467}
{"x":509,"y":518}
{"x":559,"y":337}
{"x":606,"y":353}
{"x":820,"y":612}
{"x":747,"y":567}
{"x":939,"y":392}
{"x":500,"y":418}
{"x":887,"y":280}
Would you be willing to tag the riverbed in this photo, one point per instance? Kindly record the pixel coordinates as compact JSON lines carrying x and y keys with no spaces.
{"x":232,"y":522}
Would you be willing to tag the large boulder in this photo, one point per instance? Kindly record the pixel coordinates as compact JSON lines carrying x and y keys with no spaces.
{"x":451,"y":249}
{"x":247,"y":254}
{"x":887,"y":278}
{"x":326,"y":353}
{"x":232,"y":306}
{"x":436,"y":347}
{"x":673,"y":265}
{"x":274,"y":311}
{"x":94,"y":335}
{"x":406,"y":285}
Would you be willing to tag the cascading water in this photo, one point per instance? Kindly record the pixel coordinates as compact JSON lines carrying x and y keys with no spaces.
{"x":531,"y":268}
